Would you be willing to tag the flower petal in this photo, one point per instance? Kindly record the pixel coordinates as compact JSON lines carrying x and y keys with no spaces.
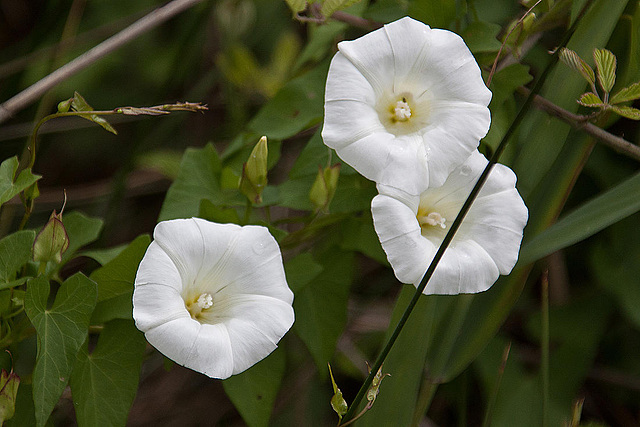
{"x":251,"y":264}
{"x":157,"y":267}
{"x":465,"y":268}
{"x":201,"y":347}
{"x":155,"y":304}
{"x":405,"y":153}
{"x":399,"y":232}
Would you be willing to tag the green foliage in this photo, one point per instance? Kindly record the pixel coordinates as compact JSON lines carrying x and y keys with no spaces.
{"x":79,"y":104}
{"x":61,"y":331}
{"x":10,"y":184}
{"x":104,"y":382}
{"x":606,"y":68}
{"x":595,"y":215}
{"x":115,"y":282}
{"x":321,"y":301}
{"x":81,"y":230}
{"x":331,"y":6}
{"x":15,"y":251}
{"x":254,"y":391}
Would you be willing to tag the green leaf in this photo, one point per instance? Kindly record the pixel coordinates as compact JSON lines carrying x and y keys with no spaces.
{"x":590,"y":99}
{"x":436,"y":13}
{"x":296,"y":5}
{"x":406,"y":361}
{"x":542,"y":139}
{"x":627,"y":94}
{"x":606,"y":68}
{"x":79,"y":104}
{"x":481,"y":36}
{"x":104,"y":382}
{"x":115,"y":282}
{"x":199,"y":178}
{"x":254,"y":391}
{"x":574,"y":61}
{"x":15,"y":251}
{"x":297,"y":106}
{"x":595,"y":215}
{"x":25,"y":414}
{"x":10,"y":185}
{"x":330,"y":6}
{"x":628,"y":112}
{"x":81,"y":230}
{"x":214,"y":213}
{"x":321,"y":305}
{"x":103,"y":256}
{"x":61,"y":331}
{"x":301,"y":270}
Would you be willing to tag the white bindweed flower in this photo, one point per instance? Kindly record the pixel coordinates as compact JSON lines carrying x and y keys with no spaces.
{"x":405,"y":105}
{"x":486,"y":245}
{"x":212,"y":297}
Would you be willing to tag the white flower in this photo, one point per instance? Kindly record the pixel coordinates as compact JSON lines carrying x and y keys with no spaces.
{"x":212,"y":297}
{"x":486,"y":245}
{"x":405,"y":105}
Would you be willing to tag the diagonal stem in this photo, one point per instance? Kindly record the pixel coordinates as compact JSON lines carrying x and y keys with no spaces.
{"x":148,"y":22}
{"x":465,"y":208}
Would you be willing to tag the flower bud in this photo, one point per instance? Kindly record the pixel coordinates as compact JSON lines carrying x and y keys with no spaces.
{"x":63,"y":106}
{"x":324,"y":187}
{"x":52,"y":241}
{"x":254,"y":172}
{"x":337,"y":401}
{"x":9,"y":383}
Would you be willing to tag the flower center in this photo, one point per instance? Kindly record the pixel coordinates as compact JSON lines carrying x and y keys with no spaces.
{"x":433,"y":219}
{"x":197,"y":306}
{"x":402,"y":111}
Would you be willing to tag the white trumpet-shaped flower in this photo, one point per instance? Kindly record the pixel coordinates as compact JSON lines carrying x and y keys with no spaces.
{"x":405,"y":105}
{"x":486,"y":245}
{"x":212,"y":297}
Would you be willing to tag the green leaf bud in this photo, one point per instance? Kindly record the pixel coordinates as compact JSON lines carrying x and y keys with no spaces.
{"x":324,"y":187}
{"x":63,"y":106}
{"x":254,"y":172}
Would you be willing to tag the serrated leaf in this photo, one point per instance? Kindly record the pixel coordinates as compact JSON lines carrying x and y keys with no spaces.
{"x":15,"y":251}
{"x":628,"y":112}
{"x":104,"y":382}
{"x":79,"y":104}
{"x":598,"y":213}
{"x":115,"y":281}
{"x":297,"y":6}
{"x":331,"y":6}
{"x":627,"y":94}
{"x":254,"y":391}
{"x":10,"y":185}
{"x":573,"y":60}
{"x":61,"y":331}
{"x":606,"y":68}
{"x":590,"y":99}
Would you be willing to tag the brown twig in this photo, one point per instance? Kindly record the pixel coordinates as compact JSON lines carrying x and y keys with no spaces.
{"x":313,"y":13}
{"x":148,"y":22}
{"x":578,"y":121}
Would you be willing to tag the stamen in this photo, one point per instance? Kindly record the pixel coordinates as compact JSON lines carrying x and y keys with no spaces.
{"x":196,"y":307}
{"x":205,"y":301}
{"x":402,"y":111}
{"x":433,"y":219}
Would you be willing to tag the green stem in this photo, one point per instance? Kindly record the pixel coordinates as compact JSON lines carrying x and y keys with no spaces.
{"x":247,"y":212}
{"x":463,"y":211}
{"x":494,"y":394}
{"x":545,"y":349}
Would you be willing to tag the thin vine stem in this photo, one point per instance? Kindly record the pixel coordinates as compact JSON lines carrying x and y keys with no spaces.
{"x":463,"y":211}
